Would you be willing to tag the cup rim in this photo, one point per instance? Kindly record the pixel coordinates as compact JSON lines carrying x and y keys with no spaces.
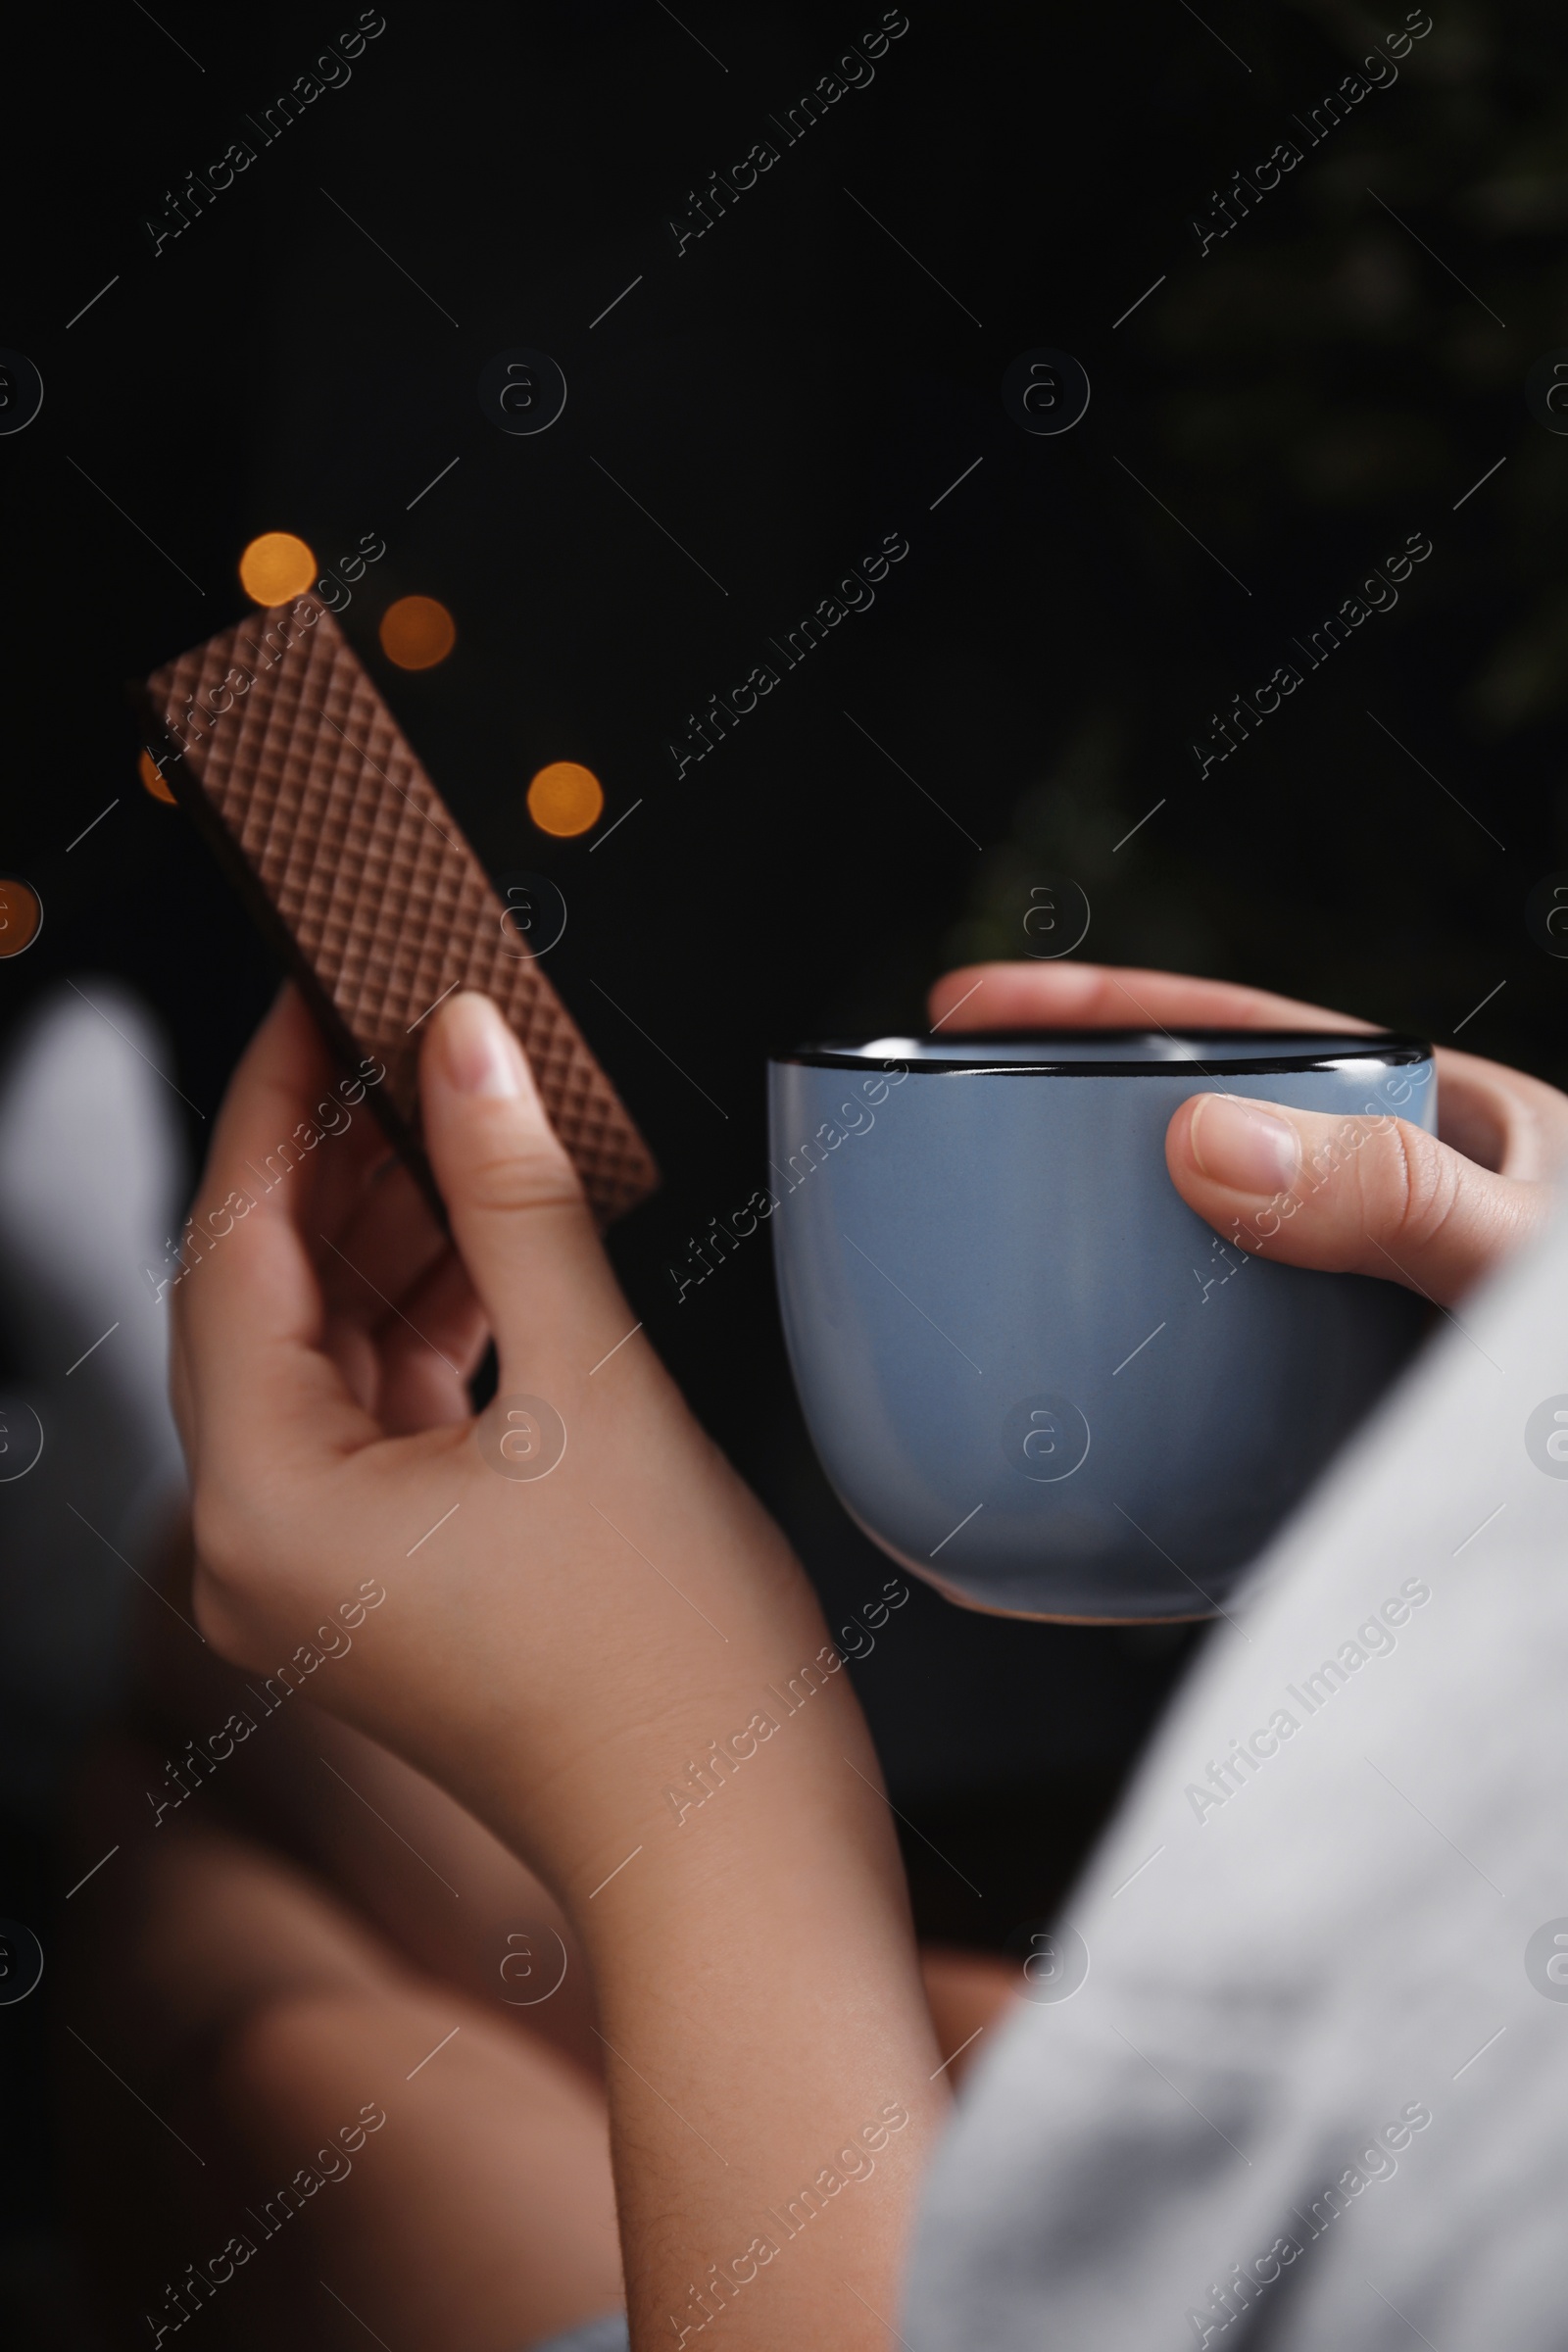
{"x":1282,"y":1051}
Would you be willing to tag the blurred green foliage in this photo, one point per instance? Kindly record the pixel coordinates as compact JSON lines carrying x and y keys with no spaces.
{"x":1314,"y":388}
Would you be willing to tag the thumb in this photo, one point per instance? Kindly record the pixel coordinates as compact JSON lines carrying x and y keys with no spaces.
{"x":1361,"y":1196}
{"x":518,"y":1217}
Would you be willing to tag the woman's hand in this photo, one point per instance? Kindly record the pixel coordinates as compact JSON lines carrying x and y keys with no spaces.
{"x":538,"y":1627}
{"x":617,"y":1664}
{"x":1433,"y":1212}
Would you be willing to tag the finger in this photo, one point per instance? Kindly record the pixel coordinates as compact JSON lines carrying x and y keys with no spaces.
{"x":443,"y":1315}
{"x":517,"y":1211}
{"x":431,"y":1353}
{"x":1102,"y":996}
{"x":1500,"y":1117}
{"x":249,"y":1311}
{"x":429,"y":1350}
{"x":416,"y":1392}
{"x":421,"y":1348}
{"x":1362,"y":1196}
{"x":383,"y":1251}
{"x":353,"y":1150}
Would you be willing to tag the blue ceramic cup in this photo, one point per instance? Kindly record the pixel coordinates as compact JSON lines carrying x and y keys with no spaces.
{"x":1033,"y":1375}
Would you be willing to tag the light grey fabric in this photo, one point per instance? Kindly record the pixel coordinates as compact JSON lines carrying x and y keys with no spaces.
{"x":1277,"y":1973}
{"x":91,"y":1172}
{"x":607,"y":2334}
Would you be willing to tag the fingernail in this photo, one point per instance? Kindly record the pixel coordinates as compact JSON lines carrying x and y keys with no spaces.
{"x":478,"y":1051}
{"x":1243,"y":1145}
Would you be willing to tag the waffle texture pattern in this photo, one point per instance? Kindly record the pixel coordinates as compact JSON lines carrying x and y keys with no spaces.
{"x":363,"y":861}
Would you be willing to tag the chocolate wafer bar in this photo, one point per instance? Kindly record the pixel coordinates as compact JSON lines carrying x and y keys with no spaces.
{"x":279,"y":747}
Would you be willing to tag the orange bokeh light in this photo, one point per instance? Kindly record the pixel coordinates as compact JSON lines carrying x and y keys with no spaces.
{"x":21,"y":917}
{"x":418,"y":632}
{"x":277,"y":567}
{"x":565,"y":799}
{"x":147,"y":770}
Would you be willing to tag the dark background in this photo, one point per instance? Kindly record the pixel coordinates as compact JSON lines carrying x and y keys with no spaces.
{"x":788,"y":390}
